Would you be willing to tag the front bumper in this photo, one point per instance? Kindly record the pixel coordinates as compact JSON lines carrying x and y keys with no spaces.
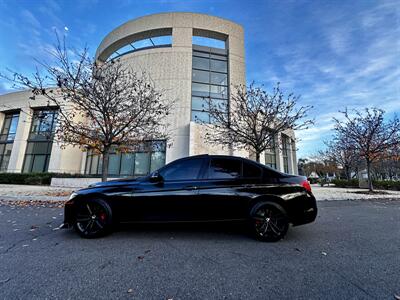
{"x":69,"y":213}
{"x":65,"y":226}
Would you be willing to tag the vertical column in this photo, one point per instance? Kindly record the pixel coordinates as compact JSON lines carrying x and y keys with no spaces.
{"x":55,"y":157}
{"x":83,"y":162}
{"x":19,"y":146}
{"x":276,"y":151}
{"x":2,"y":117}
{"x":279,"y":153}
{"x":179,"y":89}
{"x":294,"y":158}
{"x":289,"y":155}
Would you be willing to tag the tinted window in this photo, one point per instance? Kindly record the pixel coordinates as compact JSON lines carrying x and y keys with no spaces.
{"x":251,"y":170}
{"x":221,"y":168}
{"x":183,"y":170}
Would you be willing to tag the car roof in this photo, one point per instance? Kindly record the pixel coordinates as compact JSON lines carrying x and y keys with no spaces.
{"x":225,"y":156}
{"x":230,"y":157}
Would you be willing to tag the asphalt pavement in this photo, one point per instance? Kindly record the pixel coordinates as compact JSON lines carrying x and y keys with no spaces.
{"x":352,"y":251}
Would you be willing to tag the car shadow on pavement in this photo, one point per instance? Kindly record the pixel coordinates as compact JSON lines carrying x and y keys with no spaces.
{"x":185,"y":230}
{"x":194,"y":231}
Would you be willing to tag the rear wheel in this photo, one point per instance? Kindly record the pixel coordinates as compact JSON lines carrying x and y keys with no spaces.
{"x":93,"y":218}
{"x":269,"y":223}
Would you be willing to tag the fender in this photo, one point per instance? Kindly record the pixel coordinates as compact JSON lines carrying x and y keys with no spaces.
{"x":266,"y":200}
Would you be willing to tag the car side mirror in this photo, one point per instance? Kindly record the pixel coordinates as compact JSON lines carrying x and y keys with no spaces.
{"x":156,"y":177}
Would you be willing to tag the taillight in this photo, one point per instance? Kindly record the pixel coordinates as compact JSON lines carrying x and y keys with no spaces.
{"x":305,"y":184}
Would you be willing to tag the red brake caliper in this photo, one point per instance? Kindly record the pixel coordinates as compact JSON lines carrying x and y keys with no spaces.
{"x":102,"y":216}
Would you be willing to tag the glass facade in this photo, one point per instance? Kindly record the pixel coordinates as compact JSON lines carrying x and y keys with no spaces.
{"x":285,"y":152}
{"x":210,"y":81}
{"x":40,"y":141}
{"x":7,"y":137}
{"x":147,"y":158}
{"x":270,"y":156}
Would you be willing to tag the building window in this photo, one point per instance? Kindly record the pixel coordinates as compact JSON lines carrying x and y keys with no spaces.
{"x":209,"y":42}
{"x":210,"y":81}
{"x":270,"y":155}
{"x":7,"y":137}
{"x":147,"y":158}
{"x":285,"y":152}
{"x":144,"y":44}
{"x":40,"y":141}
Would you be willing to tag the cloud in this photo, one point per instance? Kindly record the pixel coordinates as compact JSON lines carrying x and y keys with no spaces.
{"x":30,"y":19}
{"x":6,"y":87}
{"x":352,"y":61}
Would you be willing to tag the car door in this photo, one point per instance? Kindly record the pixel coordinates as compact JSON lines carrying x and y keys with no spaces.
{"x":219,"y":190}
{"x":172,"y":198}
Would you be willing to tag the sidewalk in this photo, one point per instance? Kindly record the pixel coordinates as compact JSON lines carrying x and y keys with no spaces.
{"x":18,"y":192}
{"x":334,"y":193}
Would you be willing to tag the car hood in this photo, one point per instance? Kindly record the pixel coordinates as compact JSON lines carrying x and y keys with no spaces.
{"x":116,"y":182}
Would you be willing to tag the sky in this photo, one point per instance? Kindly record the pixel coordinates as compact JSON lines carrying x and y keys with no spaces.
{"x":334,"y":54}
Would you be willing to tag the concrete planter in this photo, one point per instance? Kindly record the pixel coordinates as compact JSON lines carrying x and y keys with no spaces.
{"x":75,"y":182}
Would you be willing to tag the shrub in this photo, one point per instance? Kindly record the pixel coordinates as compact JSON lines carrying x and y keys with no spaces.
{"x":34,"y":178}
{"x":386,"y":185}
{"x":345,"y":183}
{"x":377,"y":184}
{"x":313,"y":180}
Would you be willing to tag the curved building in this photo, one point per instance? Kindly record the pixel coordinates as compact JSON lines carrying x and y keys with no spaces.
{"x":188,"y":56}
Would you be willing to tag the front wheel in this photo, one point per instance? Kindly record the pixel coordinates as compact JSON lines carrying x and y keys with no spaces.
{"x":269,"y":223}
{"x":93,"y":218}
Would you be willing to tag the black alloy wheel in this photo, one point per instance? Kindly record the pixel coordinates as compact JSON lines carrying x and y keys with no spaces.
{"x":93,"y":218}
{"x":270,"y":223}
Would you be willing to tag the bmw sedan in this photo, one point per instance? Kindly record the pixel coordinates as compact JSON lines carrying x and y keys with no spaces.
{"x":195,"y":189}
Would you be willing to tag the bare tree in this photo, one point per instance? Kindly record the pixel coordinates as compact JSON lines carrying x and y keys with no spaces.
{"x":101,"y":106}
{"x":369,"y":133}
{"x":254,"y":118}
{"x":342,"y":152}
{"x":388,"y":166}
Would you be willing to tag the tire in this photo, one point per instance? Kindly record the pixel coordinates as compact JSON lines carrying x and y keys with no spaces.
{"x":93,"y":218}
{"x":268,"y":222}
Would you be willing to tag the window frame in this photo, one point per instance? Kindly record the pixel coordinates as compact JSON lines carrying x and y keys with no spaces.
{"x":210,"y":54}
{"x":10,"y":115}
{"x":90,"y":157}
{"x":41,"y":136}
{"x":286,"y":152}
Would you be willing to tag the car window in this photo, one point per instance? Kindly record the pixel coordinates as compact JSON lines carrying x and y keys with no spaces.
{"x":221,"y":168}
{"x":251,"y":170}
{"x":270,"y":175}
{"x":188,"y":169}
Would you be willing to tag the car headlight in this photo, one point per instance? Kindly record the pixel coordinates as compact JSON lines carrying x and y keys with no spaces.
{"x":73,"y":195}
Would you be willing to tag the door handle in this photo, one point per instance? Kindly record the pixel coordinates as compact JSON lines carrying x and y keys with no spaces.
{"x":190,"y":187}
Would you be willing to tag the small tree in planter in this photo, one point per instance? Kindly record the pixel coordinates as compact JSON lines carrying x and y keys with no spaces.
{"x":254,"y":118}
{"x":369,"y":133}
{"x":101,"y":106}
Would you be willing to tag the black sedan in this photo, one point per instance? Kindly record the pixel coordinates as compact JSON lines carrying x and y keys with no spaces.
{"x":194,"y":189}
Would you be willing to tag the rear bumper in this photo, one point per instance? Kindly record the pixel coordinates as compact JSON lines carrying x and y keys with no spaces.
{"x":308,"y":211}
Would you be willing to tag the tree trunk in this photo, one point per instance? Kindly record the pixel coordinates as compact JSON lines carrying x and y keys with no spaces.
{"x":257,"y":156}
{"x":104,"y":167}
{"x":348,"y":175}
{"x":370,"y":187}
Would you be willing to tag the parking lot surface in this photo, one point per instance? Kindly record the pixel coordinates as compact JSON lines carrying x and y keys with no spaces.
{"x":352,"y":251}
